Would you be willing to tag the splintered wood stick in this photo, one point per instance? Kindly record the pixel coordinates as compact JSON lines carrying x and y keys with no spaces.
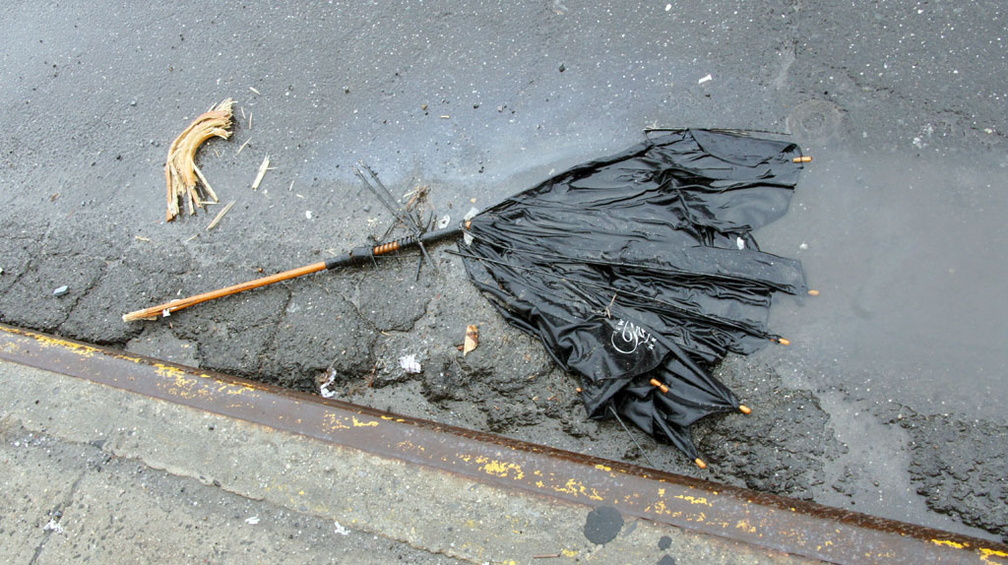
{"x":182,"y":178}
{"x":262,"y":172}
{"x":220,"y":215}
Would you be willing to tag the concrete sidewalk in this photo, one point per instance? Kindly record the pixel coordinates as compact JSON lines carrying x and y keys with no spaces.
{"x":101,"y":472}
{"x":67,"y":501}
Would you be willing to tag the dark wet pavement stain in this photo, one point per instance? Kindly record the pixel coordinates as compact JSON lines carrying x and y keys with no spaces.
{"x":603,"y":524}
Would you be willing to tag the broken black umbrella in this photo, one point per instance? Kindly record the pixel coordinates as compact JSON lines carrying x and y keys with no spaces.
{"x":637,"y":271}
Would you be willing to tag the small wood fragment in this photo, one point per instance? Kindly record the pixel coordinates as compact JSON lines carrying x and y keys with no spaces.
{"x":471,"y":339}
{"x":262,"y":172}
{"x":220,"y":215}
{"x":243,"y":146}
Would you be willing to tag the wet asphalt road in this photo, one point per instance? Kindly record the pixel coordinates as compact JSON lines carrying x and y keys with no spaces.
{"x":888,"y":401}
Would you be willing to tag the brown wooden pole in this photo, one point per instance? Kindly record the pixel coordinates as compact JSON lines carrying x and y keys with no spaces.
{"x":167,"y":308}
{"x":356,"y":256}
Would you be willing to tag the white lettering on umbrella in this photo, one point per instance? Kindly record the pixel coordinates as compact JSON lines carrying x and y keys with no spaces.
{"x":628,"y":336}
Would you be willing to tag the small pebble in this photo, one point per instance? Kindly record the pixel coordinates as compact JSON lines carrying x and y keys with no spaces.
{"x":63,"y":290}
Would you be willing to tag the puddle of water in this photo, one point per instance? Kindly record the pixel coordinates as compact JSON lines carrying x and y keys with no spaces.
{"x":909,"y":258}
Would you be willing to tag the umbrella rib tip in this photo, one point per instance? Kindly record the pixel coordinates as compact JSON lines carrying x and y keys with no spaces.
{"x":700,"y":463}
{"x":745,"y":409}
{"x":661,"y":386}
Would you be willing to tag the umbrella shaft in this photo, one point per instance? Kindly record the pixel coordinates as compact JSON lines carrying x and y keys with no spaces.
{"x":357,"y":256}
{"x":360,"y":255}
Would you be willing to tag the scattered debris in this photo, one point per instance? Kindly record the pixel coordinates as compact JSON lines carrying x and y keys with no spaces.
{"x":252,"y":88}
{"x":308,"y":214}
{"x":472,"y":213}
{"x":341,"y":530}
{"x":705,"y":79}
{"x":220,"y":215}
{"x":324,"y":389}
{"x":53,"y":526}
{"x":61,"y":291}
{"x":243,"y":145}
{"x":416,"y":197}
{"x":182,"y":176}
{"x":410,"y":364}
{"x":252,"y":520}
{"x":262,"y":172}
{"x":471,"y":339}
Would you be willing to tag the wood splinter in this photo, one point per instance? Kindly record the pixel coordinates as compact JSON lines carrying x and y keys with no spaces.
{"x":183,"y":179}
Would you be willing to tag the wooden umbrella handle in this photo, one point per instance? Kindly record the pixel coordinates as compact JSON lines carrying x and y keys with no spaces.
{"x":167,"y":308}
{"x":357,"y":256}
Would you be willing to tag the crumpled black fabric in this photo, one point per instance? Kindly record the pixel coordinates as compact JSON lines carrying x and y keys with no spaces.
{"x":641,"y":266}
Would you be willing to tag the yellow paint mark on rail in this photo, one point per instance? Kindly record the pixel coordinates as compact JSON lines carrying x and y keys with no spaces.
{"x":694,"y":499}
{"x":948,"y":543}
{"x":745,"y":526}
{"x":577,"y":488}
{"x":81,"y":349}
{"x":359,"y":424}
{"x":986,"y":553}
{"x":500,"y":468}
{"x":334,"y":423}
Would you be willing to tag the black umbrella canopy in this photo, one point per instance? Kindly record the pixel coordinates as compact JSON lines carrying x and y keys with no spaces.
{"x":638,"y":271}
